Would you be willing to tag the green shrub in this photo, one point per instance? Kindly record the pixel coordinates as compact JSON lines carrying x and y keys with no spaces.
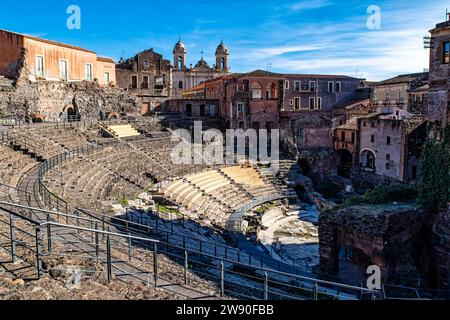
{"x":385,"y":194}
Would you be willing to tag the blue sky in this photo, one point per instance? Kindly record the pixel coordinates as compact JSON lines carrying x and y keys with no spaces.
{"x":310,"y":36}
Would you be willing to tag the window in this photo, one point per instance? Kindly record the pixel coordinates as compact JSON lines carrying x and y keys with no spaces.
{"x":388,"y":157}
{"x":337,"y":87}
{"x":39,"y":66}
{"x":286,"y":85}
{"x":353,"y":137}
{"x":368,"y":160}
{"x":180,"y":62}
{"x":401,"y":95}
{"x":312,"y":86}
{"x":330,"y":86}
{"x":145,"y":82}
{"x":372,"y":124}
{"x":256,"y":91}
{"x":375,"y":94}
{"x":388,"y":165}
{"x":297,"y":103}
{"x":240,"y":107}
{"x":297,"y":86}
{"x":212,"y":110}
{"x":146,"y":64}
{"x":319,"y":104}
{"x":134,"y":81}
{"x":446,"y":53}
{"x":372,"y":138}
{"x":180,"y":85}
{"x":312,"y":102}
{"x":388,"y":95}
{"x":106,"y":78}
{"x":88,"y":72}
{"x":343,"y":136}
{"x":364,"y":124}
{"x":63,"y":70}
{"x":388,"y":141}
{"x":291,"y":102}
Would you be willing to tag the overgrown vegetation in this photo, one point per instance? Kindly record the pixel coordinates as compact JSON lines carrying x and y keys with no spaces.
{"x":164,"y":209}
{"x":262,"y":209}
{"x":434,"y":186}
{"x":124,"y":201}
{"x":385,"y":194}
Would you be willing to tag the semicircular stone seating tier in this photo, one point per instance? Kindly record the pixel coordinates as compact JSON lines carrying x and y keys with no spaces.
{"x":213,"y":196}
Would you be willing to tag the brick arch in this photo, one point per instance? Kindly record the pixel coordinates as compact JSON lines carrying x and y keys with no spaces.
{"x":113,"y":115}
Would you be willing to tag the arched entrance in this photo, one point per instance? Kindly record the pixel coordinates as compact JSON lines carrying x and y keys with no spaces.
{"x":72,"y":113}
{"x":345,"y":163}
{"x":113,"y":116}
{"x":367,"y":160}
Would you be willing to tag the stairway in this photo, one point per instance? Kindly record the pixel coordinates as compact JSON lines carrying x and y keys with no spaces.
{"x":123,"y":131}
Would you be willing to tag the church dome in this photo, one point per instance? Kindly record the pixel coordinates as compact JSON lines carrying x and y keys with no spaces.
{"x":222,"y":49}
{"x":179,"y":47}
{"x":202,"y":64}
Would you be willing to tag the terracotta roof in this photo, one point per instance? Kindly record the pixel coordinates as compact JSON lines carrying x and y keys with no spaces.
{"x":104,"y":59}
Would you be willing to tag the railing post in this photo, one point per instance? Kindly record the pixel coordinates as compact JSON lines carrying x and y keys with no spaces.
{"x":38,"y":253}
{"x":97,"y":248}
{"x":129,"y":246}
{"x":222,"y":279}
{"x":12,"y":238}
{"x":186,"y":266}
{"x":155,"y":264}
{"x":316,"y":291}
{"x":108,"y":257}
{"x":49,"y":233}
{"x":266,"y":286}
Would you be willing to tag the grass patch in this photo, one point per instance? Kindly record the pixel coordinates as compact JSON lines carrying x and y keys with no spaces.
{"x":164,"y":209}
{"x":124,"y":201}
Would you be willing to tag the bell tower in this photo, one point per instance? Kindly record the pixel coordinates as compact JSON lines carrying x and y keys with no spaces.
{"x":222,"y":58}
{"x":179,"y":56}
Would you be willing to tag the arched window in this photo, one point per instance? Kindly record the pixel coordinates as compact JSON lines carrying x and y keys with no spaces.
{"x":271,"y":91}
{"x":222,"y":63}
{"x":367,"y":160}
{"x":180,"y":62}
{"x":180,"y":85}
{"x":256,"y":90}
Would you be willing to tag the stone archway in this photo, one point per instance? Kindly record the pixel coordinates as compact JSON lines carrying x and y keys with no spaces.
{"x":113,"y":116}
{"x":72,"y":113}
{"x":37,"y":118}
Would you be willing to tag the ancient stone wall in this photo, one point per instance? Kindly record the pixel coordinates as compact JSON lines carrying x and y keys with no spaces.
{"x":408,"y":243}
{"x":50,"y":99}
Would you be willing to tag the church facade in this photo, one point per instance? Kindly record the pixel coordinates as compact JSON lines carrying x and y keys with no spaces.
{"x":185,"y":78}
